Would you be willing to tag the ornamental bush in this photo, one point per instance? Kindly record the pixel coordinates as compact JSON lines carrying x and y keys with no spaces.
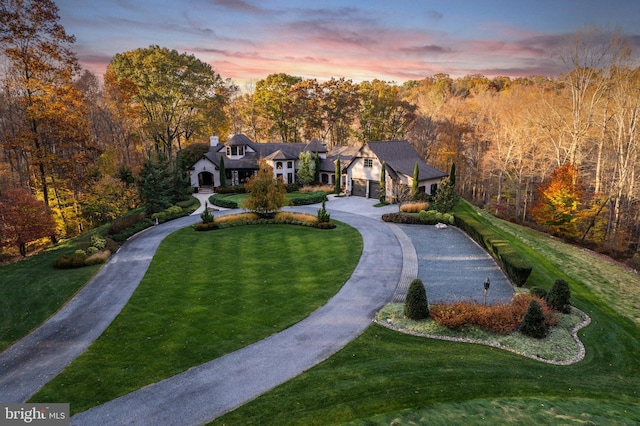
{"x":533,"y":324}
{"x":416,"y":306}
{"x":559,"y":297}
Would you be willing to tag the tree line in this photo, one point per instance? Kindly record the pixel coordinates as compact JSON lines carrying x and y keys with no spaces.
{"x":559,"y":152}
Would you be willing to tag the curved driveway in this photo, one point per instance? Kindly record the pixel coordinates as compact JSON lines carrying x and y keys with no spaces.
{"x":207,"y":391}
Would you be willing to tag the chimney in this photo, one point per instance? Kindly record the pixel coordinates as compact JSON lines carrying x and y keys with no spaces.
{"x":213,"y":141}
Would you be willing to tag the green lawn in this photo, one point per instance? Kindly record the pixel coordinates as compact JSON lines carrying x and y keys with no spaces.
{"x":385,"y":377}
{"x":207,"y":294}
{"x":32,"y":290}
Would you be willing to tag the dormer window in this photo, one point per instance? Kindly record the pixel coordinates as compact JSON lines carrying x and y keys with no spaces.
{"x":368,"y":162}
{"x":235,"y":151}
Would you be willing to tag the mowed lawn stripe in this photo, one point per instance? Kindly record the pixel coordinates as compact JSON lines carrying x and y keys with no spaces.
{"x":205,"y":295}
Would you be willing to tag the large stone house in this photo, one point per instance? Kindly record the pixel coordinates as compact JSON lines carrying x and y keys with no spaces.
{"x":360,"y":166}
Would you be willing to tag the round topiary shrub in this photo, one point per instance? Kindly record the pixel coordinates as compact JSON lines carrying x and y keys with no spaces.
{"x":559,"y":297}
{"x":416,"y":306}
{"x":533,"y":324}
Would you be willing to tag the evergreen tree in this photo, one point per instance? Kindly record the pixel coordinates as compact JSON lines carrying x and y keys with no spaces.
{"x":155,"y":184}
{"x":446,"y":197}
{"x":533,"y":324}
{"x":338,"y":173}
{"x":223,"y":173}
{"x":416,"y":306}
{"x":559,"y":297}
{"x":305,"y":171}
{"x":383,"y":183}
{"x":414,"y":184}
{"x":452,"y":175}
{"x":316,"y":168}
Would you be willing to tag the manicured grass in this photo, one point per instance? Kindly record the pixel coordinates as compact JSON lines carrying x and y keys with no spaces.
{"x":207,"y":294}
{"x":32,"y":290}
{"x":385,"y":375}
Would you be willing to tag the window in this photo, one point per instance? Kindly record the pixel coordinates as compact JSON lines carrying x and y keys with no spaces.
{"x":368,"y":162}
{"x":279,"y":165}
{"x":290,"y":165}
{"x":235,"y":150}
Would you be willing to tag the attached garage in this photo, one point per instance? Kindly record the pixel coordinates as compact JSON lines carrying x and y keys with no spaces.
{"x":359,"y":188}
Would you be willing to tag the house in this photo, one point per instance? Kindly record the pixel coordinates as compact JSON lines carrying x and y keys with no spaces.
{"x":400,"y":158}
{"x":360,"y":166}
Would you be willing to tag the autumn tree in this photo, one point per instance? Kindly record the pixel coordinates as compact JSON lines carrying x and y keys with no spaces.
{"x":267,"y":194}
{"x":23,"y":219}
{"x":176,"y":94}
{"x":48,"y":129}
{"x":559,"y":200}
{"x":272,"y":96}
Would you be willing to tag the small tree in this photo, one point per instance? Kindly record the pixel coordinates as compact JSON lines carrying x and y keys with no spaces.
{"x":206,"y":215}
{"x":559,"y":297}
{"x":306,"y":169}
{"x":533,"y":324}
{"x":452,"y":175}
{"x":316,"y":168}
{"x":416,"y":181}
{"x":416,"y":306}
{"x":23,"y":219}
{"x":383,"y":183}
{"x":446,"y":197}
{"x":338,"y":173}
{"x":323,"y":216}
{"x":223,"y":173}
{"x":267,"y":194}
{"x":155,"y":184}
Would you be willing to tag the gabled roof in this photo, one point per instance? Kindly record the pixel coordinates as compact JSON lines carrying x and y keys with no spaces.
{"x":279,"y":155}
{"x":315,"y":145}
{"x":236,"y":140}
{"x":345,"y":153}
{"x":401,"y":157}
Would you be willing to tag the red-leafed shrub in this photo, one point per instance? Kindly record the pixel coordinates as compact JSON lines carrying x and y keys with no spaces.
{"x":500,"y":319}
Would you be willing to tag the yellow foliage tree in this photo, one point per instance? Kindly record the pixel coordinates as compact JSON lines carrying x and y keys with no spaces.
{"x":267,"y":194}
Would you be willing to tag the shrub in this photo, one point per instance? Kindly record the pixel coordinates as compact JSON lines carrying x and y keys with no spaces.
{"x":92,"y":250}
{"x":313,"y":198}
{"x":401,"y":218}
{"x":500,"y":319}
{"x":414,"y":207}
{"x":237,"y":218}
{"x":325,"y":225}
{"x":205,"y":226}
{"x":559,"y":297}
{"x":206,"y":215}
{"x":97,"y":258}
{"x":132,"y":230}
{"x":327,"y":189}
{"x":185,"y":204}
{"x":432,"y":217}
{"x":539,"y":292}
{"x":222,"y":201}
{"x":517,"y":268}
{"x":69,"y":262}
{"x":416,"y":306}
{"x":533,"y":323}
{"x":237,"y":189}
{"x":323,"y":216}
{"x":98,"y":241}
{"x":293,"y":217}
{"x":124,"y":222}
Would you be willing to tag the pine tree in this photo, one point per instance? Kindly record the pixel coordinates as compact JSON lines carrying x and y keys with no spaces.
{"x":452,"y":175}
{"x":559,"y":297}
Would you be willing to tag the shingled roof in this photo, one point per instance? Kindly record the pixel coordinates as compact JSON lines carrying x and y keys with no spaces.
{"x":401,"y":157}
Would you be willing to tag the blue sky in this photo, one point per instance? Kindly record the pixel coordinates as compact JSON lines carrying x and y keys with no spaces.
{"x":392,"y":40}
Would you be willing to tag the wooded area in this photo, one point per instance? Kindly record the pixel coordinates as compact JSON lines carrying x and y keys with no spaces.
{"x":557,"y":152}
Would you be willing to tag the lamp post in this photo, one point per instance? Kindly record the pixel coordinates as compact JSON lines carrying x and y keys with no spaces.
{"x":487,"y":283}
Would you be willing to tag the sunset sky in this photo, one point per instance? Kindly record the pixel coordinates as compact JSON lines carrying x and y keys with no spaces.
{"x":392,"y":40}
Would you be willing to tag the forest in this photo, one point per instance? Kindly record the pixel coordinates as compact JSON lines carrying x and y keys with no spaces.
{"x":558,"y":153}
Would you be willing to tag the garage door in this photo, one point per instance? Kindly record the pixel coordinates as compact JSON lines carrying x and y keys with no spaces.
{"x":374,"y":189}
{"x":359,"y":187}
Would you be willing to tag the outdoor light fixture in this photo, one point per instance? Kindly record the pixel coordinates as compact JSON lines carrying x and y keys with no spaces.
{"x":487,"y":283}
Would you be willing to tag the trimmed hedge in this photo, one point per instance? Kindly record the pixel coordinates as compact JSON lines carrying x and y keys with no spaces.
{"x":432,"y":217}
{"x":404,"y":218}
{"x":312,"y":198}
{"x":221,"y":201}
{"x":517,"y":268}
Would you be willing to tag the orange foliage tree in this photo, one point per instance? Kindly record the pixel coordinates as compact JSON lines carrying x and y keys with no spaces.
{"x":267,"y":194}
{"x":23,"y":219}
{"x":558,"y":202}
